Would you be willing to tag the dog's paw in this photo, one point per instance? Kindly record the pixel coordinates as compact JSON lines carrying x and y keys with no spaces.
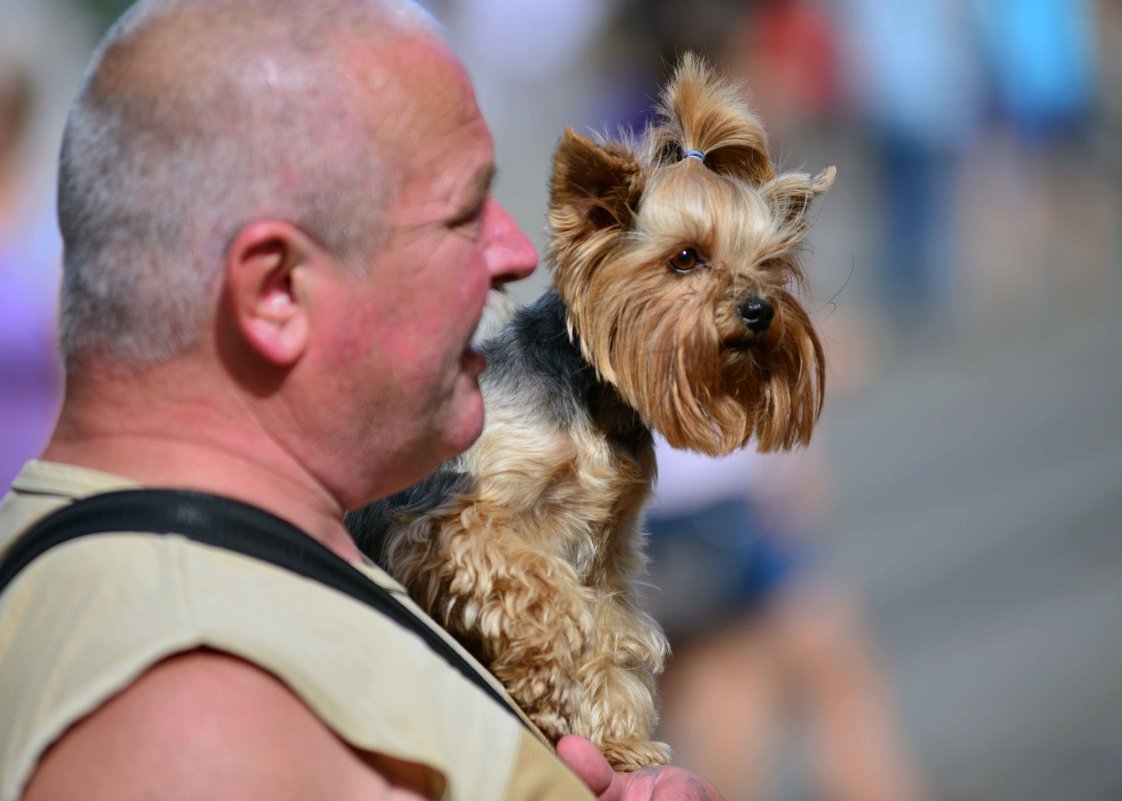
{"x":631,"y":755}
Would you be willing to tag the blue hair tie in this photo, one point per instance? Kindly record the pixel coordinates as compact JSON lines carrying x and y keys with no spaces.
{"x":695,"y":154}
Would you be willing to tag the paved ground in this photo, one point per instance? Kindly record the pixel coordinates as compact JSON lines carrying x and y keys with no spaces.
{"x":980,"y":499}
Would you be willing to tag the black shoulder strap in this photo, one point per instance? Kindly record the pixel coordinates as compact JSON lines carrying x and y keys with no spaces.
{"x":235,"y":526}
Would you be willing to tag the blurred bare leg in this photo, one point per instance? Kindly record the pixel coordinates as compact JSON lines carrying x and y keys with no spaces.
{"x":859,"y":753}
{"x":721,"y":709}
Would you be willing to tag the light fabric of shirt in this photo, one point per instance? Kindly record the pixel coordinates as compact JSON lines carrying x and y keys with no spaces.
{"x":88,"y":617}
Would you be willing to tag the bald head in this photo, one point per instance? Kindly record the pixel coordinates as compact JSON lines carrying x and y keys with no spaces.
{"x":198,"y":117}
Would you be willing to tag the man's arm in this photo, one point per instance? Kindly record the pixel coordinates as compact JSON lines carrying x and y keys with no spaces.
{"x":205,"y":725}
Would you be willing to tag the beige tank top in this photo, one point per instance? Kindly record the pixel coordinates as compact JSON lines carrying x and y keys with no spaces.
{"x":88,"y":617}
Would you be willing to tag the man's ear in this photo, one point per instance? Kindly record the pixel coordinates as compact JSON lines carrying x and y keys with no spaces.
{"x":265,"y":277}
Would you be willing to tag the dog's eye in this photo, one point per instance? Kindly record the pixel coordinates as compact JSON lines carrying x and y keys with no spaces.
{"x":684,"y":260}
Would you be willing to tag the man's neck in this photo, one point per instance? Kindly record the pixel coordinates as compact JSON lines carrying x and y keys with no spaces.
{"x":196,"y":441}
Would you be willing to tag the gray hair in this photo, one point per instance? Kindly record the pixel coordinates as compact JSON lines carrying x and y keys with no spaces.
{"x":195,"y":118}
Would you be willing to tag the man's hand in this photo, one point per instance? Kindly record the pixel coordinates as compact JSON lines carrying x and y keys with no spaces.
{"x":649,"y":784}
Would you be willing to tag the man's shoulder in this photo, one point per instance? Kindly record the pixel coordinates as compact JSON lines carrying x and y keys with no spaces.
{"x":42,"y":487}
{"x":205,"y":724}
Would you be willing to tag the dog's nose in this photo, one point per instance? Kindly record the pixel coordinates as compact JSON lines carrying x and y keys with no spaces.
{"x":757,"y":314}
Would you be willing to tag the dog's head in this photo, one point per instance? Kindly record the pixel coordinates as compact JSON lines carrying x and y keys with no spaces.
{"x":677,"y":259}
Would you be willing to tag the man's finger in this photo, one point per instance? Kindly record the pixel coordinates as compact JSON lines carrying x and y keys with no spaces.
{"x":585,"y":760}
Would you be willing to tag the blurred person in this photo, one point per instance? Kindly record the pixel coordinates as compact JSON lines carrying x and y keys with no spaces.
{"x":279,"y":238}
{"x":1041,"y":57}
{"x":787,"y":51}
{"x":30,"y":253}
{"x":759,"y":638}
{"x":1040,"y":195}
{"x":915,"y":72}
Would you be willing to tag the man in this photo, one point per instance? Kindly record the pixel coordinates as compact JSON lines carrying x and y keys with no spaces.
{"x":279,"y":240}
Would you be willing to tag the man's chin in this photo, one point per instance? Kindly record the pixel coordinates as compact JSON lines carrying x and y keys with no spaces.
{"x":467,"y":425}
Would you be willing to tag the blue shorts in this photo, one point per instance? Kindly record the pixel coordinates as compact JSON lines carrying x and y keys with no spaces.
{"x":715,"y":564}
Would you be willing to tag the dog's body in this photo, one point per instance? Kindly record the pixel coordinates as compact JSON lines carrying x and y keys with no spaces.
{"x":671,"y":310}
{"x":526,"y":545}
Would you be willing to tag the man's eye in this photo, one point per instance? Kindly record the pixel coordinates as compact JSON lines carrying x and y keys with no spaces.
{"x":470,"y":220}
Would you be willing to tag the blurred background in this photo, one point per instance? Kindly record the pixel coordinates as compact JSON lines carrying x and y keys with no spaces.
{"x":927,"y":603}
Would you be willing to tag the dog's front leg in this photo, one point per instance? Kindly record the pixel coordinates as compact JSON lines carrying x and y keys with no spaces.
{"x":618,"y":673}
{"x":523,"y":611}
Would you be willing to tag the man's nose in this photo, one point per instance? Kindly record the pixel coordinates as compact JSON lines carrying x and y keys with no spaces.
{"x":510,"y":253}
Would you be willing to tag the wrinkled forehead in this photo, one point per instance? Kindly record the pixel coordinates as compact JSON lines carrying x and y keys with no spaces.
{"x":436,"y":147}
{"x":418,"y":101}
{"x":410,"y":76}
{"x":415,"y":85}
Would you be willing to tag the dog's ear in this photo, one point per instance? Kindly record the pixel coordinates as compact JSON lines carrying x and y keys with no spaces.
{"x":791,"y":194}
{"x":594,"y":187}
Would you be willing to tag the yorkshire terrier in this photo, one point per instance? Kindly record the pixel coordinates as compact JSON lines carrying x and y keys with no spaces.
{"x":675,"y":259}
